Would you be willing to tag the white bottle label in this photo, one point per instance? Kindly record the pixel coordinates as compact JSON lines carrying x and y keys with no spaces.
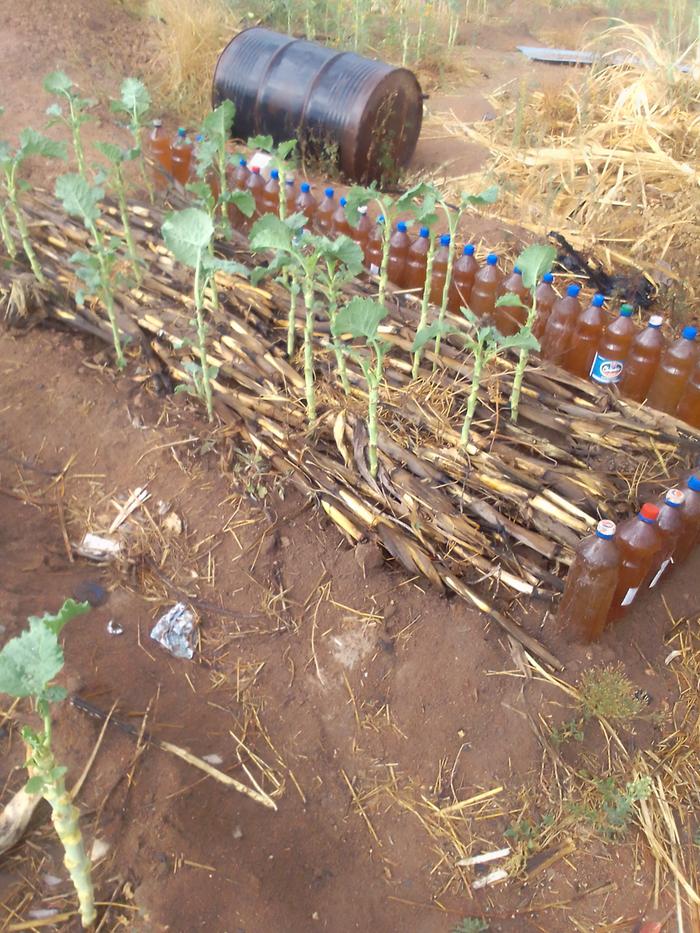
{"x":629,"y":596}
{"x":657,"y":575}
{"x":374,"y":269}
{"x":606,"y":371}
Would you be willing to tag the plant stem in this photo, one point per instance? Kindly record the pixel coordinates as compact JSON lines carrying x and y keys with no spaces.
{"x":372,"y":424}
{"x":202,"y":337}
{"x":523,"y":357}
{"x":384,"y":268}
{"x":77,"y":141}
{"x":6,"y":233}
{"x":124,"y":215}
{"x":292,"y":315}
{"x":453,"y":224}
{"x":24,"y":235}
{"x":424,"y":304}
{"x":339,"y":355}
{"x":473,"y":396}
{"x":309,"y":351}
{"x":107,"y":296}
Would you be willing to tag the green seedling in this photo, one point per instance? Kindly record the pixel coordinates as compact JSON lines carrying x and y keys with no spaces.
{"x":360,"y":319}
{"x":280,"y":159}
{"x":5,"y":231}
{"x":97,"y":269}
{"x":359,"y":197}
{"x":31,"y":143}
{"x":134,"y":103}
{"x":188,"y":234}
{"x":533,"y":262}
{"x":72,"y":112}
{"x":28,"y":665}
{"x":471,"y":925}
{"x":485,"y":343}
{"x":117,"y":158}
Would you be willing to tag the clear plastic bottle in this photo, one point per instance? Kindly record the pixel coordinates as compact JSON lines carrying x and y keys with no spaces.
{"x":324,"y":213}
{"x":398,"y":252}
{"x":638,"y":540}
{"x":642,"y":360}
{"x":590,"y":585}
{"x":689,"y":406}
{"x":160,"y":150}
{"x":360,"y":233}
{"x":375,"y":246}
{"x":440,"y":260}
{"x":256,"y":186}
{"x":690,"y":534}
{"x":585,"y":339}
{"x":673,"y":372}
{"x":510,"y":318}
{"x":670,"y":523}
{"x":270,"y":197}
{"x":181,"y":157}
{"x":306,"y":203}
{"x":545,"y":296}
{"x":416,"y":262}
{"x":488,"y":285}
{"x":463,"y":275}
{"x":556,"y":339}
{"x":340,"y":225}
{"x":609,"y":363}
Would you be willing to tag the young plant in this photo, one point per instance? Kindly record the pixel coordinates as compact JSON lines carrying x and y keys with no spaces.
{"x":114,"y":176}
{"x":135,"y":102}
{"x":97,"y":269}
{"x":5,"y":232}
{"x":188,"y":234}
{"x":359,"y":197}
{"x":485,"y":343}
{"x":533,"y":262}
{"x":360,"y":319}
{"x":280,"y":159}
{"x":28,"y":665}
{"x":73,"y":113}
{"x":31,"y":143}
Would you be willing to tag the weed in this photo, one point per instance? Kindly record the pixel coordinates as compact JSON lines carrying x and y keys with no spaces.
{"x":471,"y":925}
{"x":609,"y":807}
{"x":607,"y":693}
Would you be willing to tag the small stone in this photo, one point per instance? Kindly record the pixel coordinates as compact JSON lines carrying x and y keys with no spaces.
{"x":237,"y":833}
{"x":314,"y":915}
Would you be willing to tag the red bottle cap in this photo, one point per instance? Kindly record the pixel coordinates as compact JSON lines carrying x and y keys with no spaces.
{"x":255,"y":169}
{"x":675,"y":497}
{"x":649,"y":512}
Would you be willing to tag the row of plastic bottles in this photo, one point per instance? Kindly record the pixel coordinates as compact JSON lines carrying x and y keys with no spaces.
{"x":612,"y":351}
{"x":616,"y":565}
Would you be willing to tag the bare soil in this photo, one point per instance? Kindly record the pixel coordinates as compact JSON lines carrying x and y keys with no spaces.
{"x":364,"y":697}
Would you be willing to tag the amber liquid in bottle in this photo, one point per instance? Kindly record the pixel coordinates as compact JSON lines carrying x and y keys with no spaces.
{"x":511,"y":318}
{"x":440,"y":260}
{"x":670,"y":524}
{"x":160,"y":150}
{"x":463,"y":275}
{"x":340,"y":225}
{"x":306,"y":203}
{"x":375,"y":247}
{"x":585,"y":339}
{"x":638,"y":540}
{"x":488,"y":285}
{"x":416,"y":261}
{"x":324,"y":213}
{"x":181,"y":157}
{"x":609,"y":362}
{"x":556,"y":339}
{"x":689,"y":406}
{"x":398,"y":252}
{"x":673,"y":372}
{"x":545,"y":296}
{"x":590,"y":585}
{"x":642,"y":360}
{"x":689,"y":536}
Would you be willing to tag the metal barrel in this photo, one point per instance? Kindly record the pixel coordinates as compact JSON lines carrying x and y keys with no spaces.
{"x":362,"y":116}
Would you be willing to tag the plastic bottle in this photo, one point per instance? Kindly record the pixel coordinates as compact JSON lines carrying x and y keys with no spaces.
{"x":585,"y":339}
{"x":241,"y":175}
{"x":181,"y":157}
{"x":398,"y":252}
{"x":590,"y":585}
{"x":545,"y":296}
{"x":340,"y":225}
{"x":440,"y":260}
{"x":416,"y":262}
{"x":689,"y":406}
{"x":256,"y":186}
{"x":642,"y":360}
{"x":360,"y":233}
{"x":670,"y":523}
{"x":160,"y":150}
{"x":556,"y":339}
{"x":375,"y":246}
{"x":609,"y":363}
{"x":306,"y":203}
{"x":324,"y":213}
{"x":463,"y":275}
{"x":673,"y":372}
{"x":290,"y":196}
{"x":690,"y":534}
{"x":270,"y":197}
{"x":510,"y":318}
{"x":488,"y":285}
{"x":638,"y":540}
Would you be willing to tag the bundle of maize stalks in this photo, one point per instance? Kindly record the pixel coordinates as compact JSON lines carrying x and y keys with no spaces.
{"x":501,"y":515}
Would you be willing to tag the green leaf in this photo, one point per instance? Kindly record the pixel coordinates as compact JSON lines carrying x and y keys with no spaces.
{"x":134,"y":97}
{"x":534,"y":261}
{"x":356,"y":198}
{"x":35,"y":785}
{"x":284,"y":150}
{"x":490,"y":196}
{"x":429,"y":333}
{"x":510,"y":301}
{"x":33,"y":143}
{"x":30,"y":661}
{"x":57,"y":82}
{"x":360,"y":317}
{"x":5,"y":152}
{"x":55,"y":694}
{"x":56,"y":620}
{"x":243,"y":200}
{"x":213,"y":263}
{"x":343,"y":250}
{"x":54,"y":110}
{"x":219,"y":122}
{"x":187,"y":234}
{"x":523,"y":340}
{"x":78,"y":197}
{"x":114,"y":154}
{"x":264,"y":143}
{"x":421,"y":201}
{"x":269,"y":232}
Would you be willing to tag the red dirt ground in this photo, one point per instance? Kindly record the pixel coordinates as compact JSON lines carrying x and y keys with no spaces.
{"x":343,"y":675}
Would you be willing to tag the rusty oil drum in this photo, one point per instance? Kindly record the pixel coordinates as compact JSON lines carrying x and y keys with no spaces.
{"x":362,"y":116}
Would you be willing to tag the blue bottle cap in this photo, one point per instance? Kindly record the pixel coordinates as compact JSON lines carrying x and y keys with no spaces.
{"x":689,"y":333}
{"x":492,"y":259}
{"x":606,"y":529}
{"x":242,"y":161}
{"x":305,"y":187}
{"x":329,"y":192}
{"x":573,"y":290}
{"x":343,"y":202}
{"x":694,"y":483}
{"x":182,"y":132}
{"x":468,"y":249}
{"x":198,"y":138}
{"x":626,"y":310}
{"x":517,"y":270}
{"x":380,"y":219}
{"x":401,"y":226}
{"x":445,"y":239}
{"x":548,"y":278}
{"x":274,"y":174}
{"x":424,"y":232}
{"x":598,"y":300}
